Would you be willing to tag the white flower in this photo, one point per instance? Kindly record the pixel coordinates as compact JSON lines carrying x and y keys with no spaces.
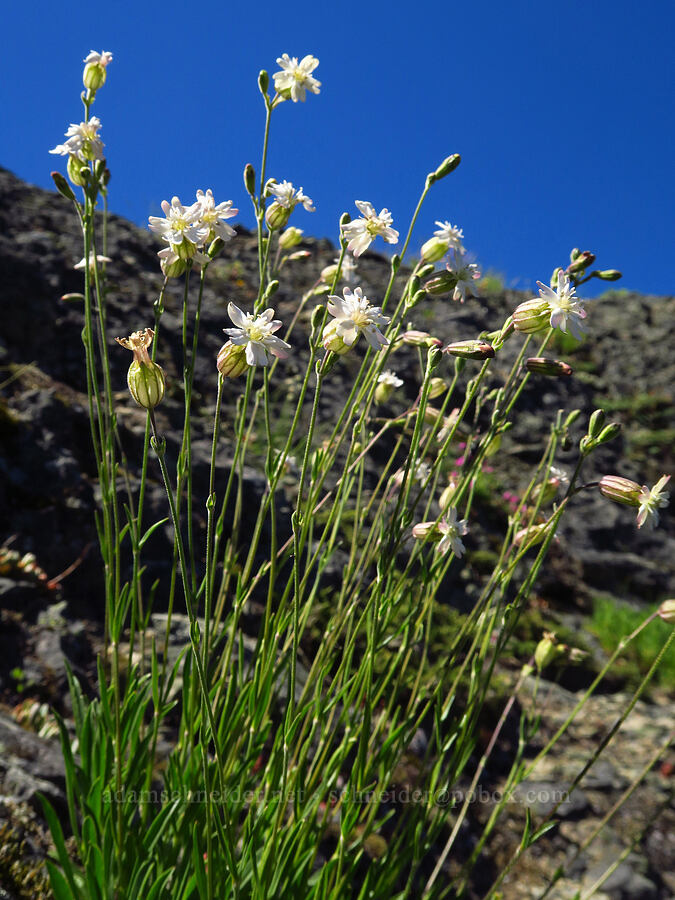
{"x":355,"y":316}
{"x":650,"y":501}
{"x":390,"y":378}
{"x":181,"y":222}
{"x":212,"y":218}
{"x":422,"y":472}
{"x":452,"y":531}
{"x":451,"y":234}
{"x":567,"y":310}
{"x":104,"y":58}
{"x":296,"y":77}
{"x":83,"y":141}
{"x":287,"y":196}
{"x":256,"y":333}
{"x":465,"y":273}
{"x":362,"y":232}
{"x":558,"y":475}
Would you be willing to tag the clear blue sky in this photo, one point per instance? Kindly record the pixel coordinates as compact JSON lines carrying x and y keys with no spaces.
{"x":562,"y":111}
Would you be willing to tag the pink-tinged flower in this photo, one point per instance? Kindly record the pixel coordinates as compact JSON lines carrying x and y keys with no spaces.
{"x":180,"y":228}
{"x":447,"y":533}
{"x":362,"y":232}
{"x":83,"y":141}
{"x":296,"y":78}
{"x":465,"y":273}
{"x":212,"y":218}
{"x":567,"y":311}
{"x":650,"y":501}
{"x":104,"y":58}
{"x":256,"y":333}
{"x":354,"y":316}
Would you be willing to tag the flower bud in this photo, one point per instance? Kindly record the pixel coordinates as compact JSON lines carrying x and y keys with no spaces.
{"x":445,"y":500}
{"x":332,"y":341}
{"x":263,"y":81}
{"x":448,"y":165}
{"x":62,"y":186}
{"x":276,"y":216}
{"x":249,"y":179}
{"x":553,"y":368}
{"x":425,"y":270}
{"x":78,"y":172}
{"x":290,"y":238}
{"x":547,"y":650}
{"x":581,"y":263}
{"x":431,"y":415}
{"x":94,"y":74}
{"x":531,"y":536}
{"x":145,"y":378}
{"x":434,"y":249}
{"x":621,"y":490}
{"x":545,"y":491}
{"x":437,"y":387}
{"x":667,"y":611}
{"x":608,"y":433}
{"x":231,"y":360}
{"x":532,"y":316}
{"x":441,"y":283}
{"x":427,"y":531}
{"x":383,"y":391}
{"x":574,"y":254}
{"x":185,"y":250}
{"x":420,"y":339}
{"x":172,"y":266}
{"x":470,"y":350}
{"x":607,"y":274}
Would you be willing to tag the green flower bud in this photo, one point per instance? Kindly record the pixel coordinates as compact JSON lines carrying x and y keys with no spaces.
{"x":470,"y":350}
{"x":249,"y":179}
{"x":78,"y":172}
{"x":608,"y":433}
{"x":437,"y":387}
{"x":277,"y":216}
{"x":532,"y":316}
{"x":441,"y":283}
{"x":332,"y":341}
{"x":581,"y":263}
{"x":448,"y":165}
{"x":263,"y":81}
{"x":62,"y":186}
{"x":607,"y":274}
{"x":145,"y":378}
{"x":231,"y":360}
{"x":290,"y":238}
{"x":621,"y":490}
{"x":547,"y":650}
{"x":434,"y":249}
{"x":553,"y":368}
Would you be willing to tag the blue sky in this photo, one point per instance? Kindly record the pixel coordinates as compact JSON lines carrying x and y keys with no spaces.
{"x":562,"y":111}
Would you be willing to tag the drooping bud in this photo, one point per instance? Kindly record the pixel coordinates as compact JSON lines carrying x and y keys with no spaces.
{"x":427,"y":531}
{"x":667,"y":611}
{"x":145,"y":378}
{"x":290,"y":238}
{"x":277,"y":216}
{"x":231,"y":360}
{"x":621,"y":490}
{"x":470,"y":349}
{"x":532,"y":316}
{"x":441,"y":283}
{"x":552,"y":368}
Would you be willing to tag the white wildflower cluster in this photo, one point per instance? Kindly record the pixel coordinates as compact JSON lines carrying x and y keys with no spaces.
{"x":188,"y":229}
{"x":460,"y":273}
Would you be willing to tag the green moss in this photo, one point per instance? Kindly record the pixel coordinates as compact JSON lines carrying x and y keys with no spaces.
{"x":611,"y":621}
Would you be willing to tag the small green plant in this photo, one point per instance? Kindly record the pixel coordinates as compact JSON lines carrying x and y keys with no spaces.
{"x":613,"y":620}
